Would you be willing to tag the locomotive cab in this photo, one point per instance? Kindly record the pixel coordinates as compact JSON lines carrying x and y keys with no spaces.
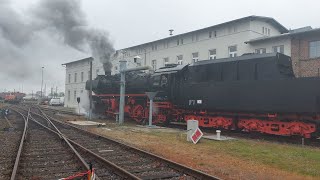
{"x":164,"y":81}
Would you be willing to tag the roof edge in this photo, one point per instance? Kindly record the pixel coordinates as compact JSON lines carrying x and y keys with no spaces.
{"x":84,"y":59}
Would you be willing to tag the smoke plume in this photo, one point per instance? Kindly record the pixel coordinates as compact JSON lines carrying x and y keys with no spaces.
{"x":61,"y":20}
{"x":66,"y":18}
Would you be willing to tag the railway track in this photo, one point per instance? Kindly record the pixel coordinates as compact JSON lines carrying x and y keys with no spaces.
{"x":43,"y":156}
{"x":140,"y":164}
{"x":11,"y":130}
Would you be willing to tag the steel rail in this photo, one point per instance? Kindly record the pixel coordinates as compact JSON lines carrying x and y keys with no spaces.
{"x":122,"y":172}
{"x":72,"y":148}
{"x":114,"y":166}
{"x":174,"y":165}
{"x":16,"y":164}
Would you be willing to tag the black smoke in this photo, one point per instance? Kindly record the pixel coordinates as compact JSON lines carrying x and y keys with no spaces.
{"x":62,"y":20}
{"x":66,"y":18}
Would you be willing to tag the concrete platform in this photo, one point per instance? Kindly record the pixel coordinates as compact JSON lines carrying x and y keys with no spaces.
{"x":87,"y":123}
{"x":214,"y":137}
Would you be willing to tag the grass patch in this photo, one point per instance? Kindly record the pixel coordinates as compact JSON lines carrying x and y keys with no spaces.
{"x":301,"y":160}
{"x":291,"y":158}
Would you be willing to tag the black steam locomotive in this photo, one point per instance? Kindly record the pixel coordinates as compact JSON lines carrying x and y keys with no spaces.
{"x":256,"y":92}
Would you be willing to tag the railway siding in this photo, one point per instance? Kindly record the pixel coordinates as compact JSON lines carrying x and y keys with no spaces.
{"x":9,"y":141}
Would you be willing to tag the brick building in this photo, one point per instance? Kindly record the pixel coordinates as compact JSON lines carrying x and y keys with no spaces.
{"x":305,"y":53}
{"x":303,"y":46}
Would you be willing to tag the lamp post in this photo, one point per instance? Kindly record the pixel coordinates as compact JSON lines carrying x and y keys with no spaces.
{"x":41,"y":80}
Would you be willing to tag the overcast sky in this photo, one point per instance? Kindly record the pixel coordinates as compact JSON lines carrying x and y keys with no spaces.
{"x":131,"y":22}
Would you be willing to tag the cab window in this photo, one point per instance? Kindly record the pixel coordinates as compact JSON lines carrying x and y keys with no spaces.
{"x":156,"y":81}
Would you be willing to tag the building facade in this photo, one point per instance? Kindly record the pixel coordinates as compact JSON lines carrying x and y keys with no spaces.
{"x":303,"y":45}
{"x":77,"y":73}
{"x":219,"y":41}
{"x":252,"y":34}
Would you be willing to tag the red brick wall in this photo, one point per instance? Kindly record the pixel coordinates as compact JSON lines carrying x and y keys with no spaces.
{"x":303,"y":66}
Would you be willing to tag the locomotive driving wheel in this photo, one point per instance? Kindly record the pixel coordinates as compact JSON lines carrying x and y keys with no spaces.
{"x":138,"y":113}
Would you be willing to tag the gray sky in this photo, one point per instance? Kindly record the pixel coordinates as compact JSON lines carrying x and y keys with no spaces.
{"x":131,"y":22}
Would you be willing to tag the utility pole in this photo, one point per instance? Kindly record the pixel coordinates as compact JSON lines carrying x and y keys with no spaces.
{"x":41,"y":80}
{"x":123,"y":67}
{"x":45,"y":90}
{"x":90,"y":92}
{"x":123,"y":70}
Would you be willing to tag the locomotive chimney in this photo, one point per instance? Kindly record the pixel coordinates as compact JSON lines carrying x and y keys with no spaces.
{"x":107,"y":73}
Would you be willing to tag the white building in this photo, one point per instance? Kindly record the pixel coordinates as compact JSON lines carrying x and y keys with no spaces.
{"x":228,"y":39}
{"x":77,"y":73}
{"x":218,"y":41}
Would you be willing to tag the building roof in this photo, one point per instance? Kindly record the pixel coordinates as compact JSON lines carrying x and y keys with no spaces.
{"x":292,"y":33}
{"x":270,"y":20}
{"x":235,"y":59}
{"x":85,"y":59}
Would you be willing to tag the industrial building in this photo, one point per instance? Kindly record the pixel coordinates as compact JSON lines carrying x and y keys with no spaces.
{"x":252,"y":34}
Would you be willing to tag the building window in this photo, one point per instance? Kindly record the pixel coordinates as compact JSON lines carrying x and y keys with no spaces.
{"x":215,"y":33}
{"x":210,"y":34}
{"x":195,"y":57}
{"x":69,"y":95}
{"x":82,"y":76}
{"x":75,"y":95}
{"x":154,"y":64}
{"x":75,"y":77}
{"x":279,"y":49}
{"x":232,"y":29}
{"x":260,"y":51}
{"x":81,"y":91}
{"x":154,"y":47}
{"x":165,"y":61}
{"x":166,"y":44}
{"x":179,"y":42}
{"x":180,"y":59}
{"x":69,"y":78}
{"x":232,"y":51}
{"x":314,"y":49}
{"x":265,"y":31}
{"x":212,"y":54}
{"x":195,"y":37}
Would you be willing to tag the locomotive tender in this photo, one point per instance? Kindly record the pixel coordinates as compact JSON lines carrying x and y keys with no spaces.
{"x":256,"y":92}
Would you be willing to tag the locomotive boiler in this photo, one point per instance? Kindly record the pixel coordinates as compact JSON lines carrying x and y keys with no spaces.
{"x":256,"y":92}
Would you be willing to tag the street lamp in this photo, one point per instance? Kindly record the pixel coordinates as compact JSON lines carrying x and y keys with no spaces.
{"x":41,"y":80}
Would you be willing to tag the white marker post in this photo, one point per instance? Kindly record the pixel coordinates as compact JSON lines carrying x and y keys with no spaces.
{"x":151,"y":96}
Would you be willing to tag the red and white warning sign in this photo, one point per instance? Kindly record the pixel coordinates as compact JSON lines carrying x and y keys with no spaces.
{"x":196,"y":136}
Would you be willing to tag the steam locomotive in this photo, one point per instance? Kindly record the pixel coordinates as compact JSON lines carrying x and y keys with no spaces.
{"x":253,"y":93}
